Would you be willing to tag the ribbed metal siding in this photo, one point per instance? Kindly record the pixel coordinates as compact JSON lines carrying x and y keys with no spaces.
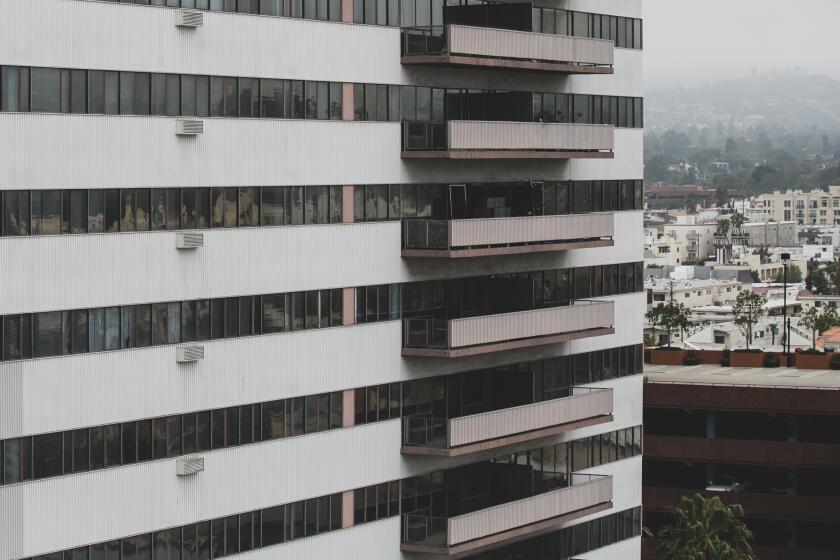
{"x":497,"y":231}
{"x":46,"y":32}
{"x":527,"y":324}
{"x":108,"y":151}
{"x":499,"y":135}
{"x":501,"y":423}
{"x":504,"y":43}
{"x":530,"y":510}
{"x":99,"y":270}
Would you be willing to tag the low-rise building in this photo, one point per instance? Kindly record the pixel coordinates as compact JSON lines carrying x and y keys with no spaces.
{"x":727,"y":335}
{"x":817,"y":207}
{"x":819,"y":301}
{"x":770,"y":234}
{"x":762,"y":438}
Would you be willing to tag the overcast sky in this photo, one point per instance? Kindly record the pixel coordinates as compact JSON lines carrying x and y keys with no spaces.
{"x":691,"y":41}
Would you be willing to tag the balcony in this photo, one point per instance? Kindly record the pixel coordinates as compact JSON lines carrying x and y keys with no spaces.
{"x":500,"y":524}
{"x":505,"y":236}
{"x":485,"y":47}
{"x":424,"y":435}
{"x":458,"y":139}
{"x":455,"y":338}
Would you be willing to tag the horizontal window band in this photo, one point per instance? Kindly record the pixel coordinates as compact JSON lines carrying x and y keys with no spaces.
{"x":81,"y":211}
{"x":27,"y":89}
{"x":82,"y":331}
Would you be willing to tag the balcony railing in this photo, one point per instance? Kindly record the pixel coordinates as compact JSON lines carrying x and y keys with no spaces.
{"x":498,"y":236}
{"x":505,"y":331}
{"x":506,"y":140}
{"x":425,"y":435}
{"x":586,"y":494}
{"x":466,"y":45}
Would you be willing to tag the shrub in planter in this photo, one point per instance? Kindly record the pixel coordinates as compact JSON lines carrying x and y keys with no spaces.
{"x":770,"y":361}
{"x":724,"y":361}
{"x":691,"y":360}
{"x":810,"y":352}
{"x":835,"y":361}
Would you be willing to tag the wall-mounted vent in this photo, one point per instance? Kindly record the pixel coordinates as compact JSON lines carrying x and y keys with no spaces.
{"x":190,"y":19}
{"x":189,"y":240}
{"x":189,"y":466}
{"x":189,"y":127}
{"x":188,"y":354}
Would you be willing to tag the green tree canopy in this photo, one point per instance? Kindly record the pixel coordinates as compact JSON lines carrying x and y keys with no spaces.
{"x":794,"y":275}
{"x":705,"y":529}
{"x":670,"y":317}
{"x":817,"y":322}
{"x":748,"y":309}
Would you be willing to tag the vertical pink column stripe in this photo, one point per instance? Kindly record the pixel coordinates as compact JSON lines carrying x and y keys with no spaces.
{"x":348,"y":407}
{"x":346,"y":509}
{"x":348,"y":103}
{"x":348,"y":314}
{"x":347,"y":201}
{"x":347,"y":11}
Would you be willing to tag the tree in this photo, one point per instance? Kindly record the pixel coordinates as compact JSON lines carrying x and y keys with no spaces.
{"x":834,"y":274}
{"x":670,"y":317}
{"x":749,"y":308}
{"x":723,"y":227}
{"x":675,"y":143}
{"x":656,"y":168}
{"x":705,"y":529}
{"x":721,"y":195}
{"x":736,"y":220}
{"x":731,"y":147}
{"x":817,"y":322}
{"x":819,"y":283}
{"x":761,"y":172}
{"x":794,"y":275}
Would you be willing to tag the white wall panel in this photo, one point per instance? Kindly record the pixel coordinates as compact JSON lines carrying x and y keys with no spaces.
{"x":627,"y":8}
{"x":627,"y":79}
{"x":627,"y":485}
{"x":142,"y":38}
{"x":627,"y":164}
{"x":98,"y":151}
{"x":52,"y":394}
{"x":79,"y":271}
{"x":371,"y":541}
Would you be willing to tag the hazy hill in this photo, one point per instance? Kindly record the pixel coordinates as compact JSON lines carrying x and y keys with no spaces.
{"x":790,"y":99}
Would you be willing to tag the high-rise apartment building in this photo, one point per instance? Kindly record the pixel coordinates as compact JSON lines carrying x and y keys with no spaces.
{"x":354,"y":279}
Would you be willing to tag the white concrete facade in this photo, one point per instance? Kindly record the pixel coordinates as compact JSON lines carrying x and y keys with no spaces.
{"x":44,"y":151}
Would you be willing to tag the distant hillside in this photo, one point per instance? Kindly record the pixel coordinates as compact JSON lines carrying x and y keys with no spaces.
{"x":790,"y":100}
